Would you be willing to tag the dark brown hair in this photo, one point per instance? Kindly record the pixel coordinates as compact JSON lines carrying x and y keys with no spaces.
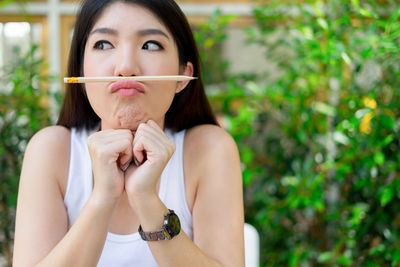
{"x":189,"y":108}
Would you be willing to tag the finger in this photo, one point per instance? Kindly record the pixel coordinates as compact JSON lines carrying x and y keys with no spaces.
{"x":153,"y":132}
{"x":152,"y":148}
{"x":113,"y":145}
{"x":144,"y":143}
{"x":125,"y":166}
{"x":109,"y":136}
{"x":154,"y":125}
{"x":160,"y":137}
{"x":138,"y":152}
{"x":126,"y":155}
{"x":124,"y":161}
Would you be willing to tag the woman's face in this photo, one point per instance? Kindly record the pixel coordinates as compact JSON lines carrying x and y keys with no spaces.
{"x":128,"y":40}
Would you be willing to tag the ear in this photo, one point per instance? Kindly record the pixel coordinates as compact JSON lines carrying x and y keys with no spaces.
{"x":187,"y":71}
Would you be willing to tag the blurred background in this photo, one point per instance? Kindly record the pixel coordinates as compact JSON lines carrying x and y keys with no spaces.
{"x":310,"y":91}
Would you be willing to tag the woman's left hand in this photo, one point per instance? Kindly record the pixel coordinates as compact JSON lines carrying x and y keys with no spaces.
{"x":152,"y":150}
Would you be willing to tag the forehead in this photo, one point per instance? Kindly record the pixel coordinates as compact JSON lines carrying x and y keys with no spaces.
{"x":129,"y":16}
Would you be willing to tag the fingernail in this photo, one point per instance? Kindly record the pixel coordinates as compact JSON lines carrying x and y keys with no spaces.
{"x":125,"y":167}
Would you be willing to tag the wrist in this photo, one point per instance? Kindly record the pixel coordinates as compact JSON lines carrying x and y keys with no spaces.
{"x":150,"y":211}
{"x":102,"y":201}
{"x":143,"y":199}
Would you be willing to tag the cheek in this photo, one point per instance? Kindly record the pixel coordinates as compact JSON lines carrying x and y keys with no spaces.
{"x":91,"y":68}
{"x":96,"y":100}
{"x":88,"y":66}
{"x":160,"y":65}
{"x":163,"y":96}
{"x":95,"y":65}
{"x":86,"y":62}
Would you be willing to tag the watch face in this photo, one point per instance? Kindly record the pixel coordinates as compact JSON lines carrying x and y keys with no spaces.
{"x":174,"y":225}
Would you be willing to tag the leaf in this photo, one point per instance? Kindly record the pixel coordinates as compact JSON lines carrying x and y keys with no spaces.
{"x":209,"y":42}
{"x":379,"y":158}
{"x":387,"y":140}
{"x":322,"y":23}
{"x":341,"y":138}
{"x":387,"y":196}
{"x":246,"y":155}
{"x":345,"y":261}
{"x":290,"y":181}
{"x":365,"y":124}
{"x":367,"y":13}
{"x":254,"y":88}
{"x":247,"y":177}
{"x":346,"y":58}
{"x":319,"y":205}
{"x":388,"y":122}
{"x":362,"y":112}
{"x":355,"y":3}
{"x":396,"y":257}
{"x":325,"y":257}
{"x":324,"y":108}
{"x":395,"y":15}
{"x":377,"y":250}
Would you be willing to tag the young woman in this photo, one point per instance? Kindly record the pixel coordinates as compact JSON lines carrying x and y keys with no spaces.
{"x":135,"y":173}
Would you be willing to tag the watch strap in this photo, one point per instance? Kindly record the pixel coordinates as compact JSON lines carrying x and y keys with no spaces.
{"x":156,"y":235}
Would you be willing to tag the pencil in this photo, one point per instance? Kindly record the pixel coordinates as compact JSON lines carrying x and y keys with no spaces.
{"x":131,"y":78}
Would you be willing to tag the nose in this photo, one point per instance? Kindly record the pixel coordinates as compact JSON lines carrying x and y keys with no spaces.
{"x":126,"y":63}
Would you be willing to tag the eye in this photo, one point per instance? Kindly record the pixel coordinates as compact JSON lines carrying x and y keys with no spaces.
{"x":102,"y":45}
{"x":152,"y":46}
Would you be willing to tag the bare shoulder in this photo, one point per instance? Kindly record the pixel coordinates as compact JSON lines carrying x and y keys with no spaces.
{"x":211,"y":146}
{"x":52,"y":138}
{"x":209,"y":138}
{"x":211,"y":160}
{"x":51,"y":144}
{"x":49,"y":149}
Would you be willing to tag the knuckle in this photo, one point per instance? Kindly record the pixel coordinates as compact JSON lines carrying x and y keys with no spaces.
{"x":101,"y":152}
{"x":125,"y":142}
{"x":141,"y":127}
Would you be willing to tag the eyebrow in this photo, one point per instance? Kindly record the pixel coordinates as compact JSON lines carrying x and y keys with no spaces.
{"x":151,"y":32}
{"x":141,"y":33}
{"x":105,"y":31}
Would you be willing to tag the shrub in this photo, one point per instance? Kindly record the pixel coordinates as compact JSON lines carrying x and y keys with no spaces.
{"x":320,"y":143}
{"x":23,"y":111}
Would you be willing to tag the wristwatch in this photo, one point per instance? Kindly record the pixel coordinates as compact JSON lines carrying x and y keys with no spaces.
{"x":170,"y":229}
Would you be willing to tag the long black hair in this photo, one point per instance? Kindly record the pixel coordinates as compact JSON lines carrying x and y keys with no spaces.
{"x":189,"y":107}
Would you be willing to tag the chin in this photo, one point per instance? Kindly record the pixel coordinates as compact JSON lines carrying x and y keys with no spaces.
{"x":129,"y":118}
{"x":129,"y":124}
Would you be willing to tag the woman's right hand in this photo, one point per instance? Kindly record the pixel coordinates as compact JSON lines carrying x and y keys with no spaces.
{"x":110,"y":153}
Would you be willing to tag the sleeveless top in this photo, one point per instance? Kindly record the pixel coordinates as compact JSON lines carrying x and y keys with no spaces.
{"x":130,"y":249}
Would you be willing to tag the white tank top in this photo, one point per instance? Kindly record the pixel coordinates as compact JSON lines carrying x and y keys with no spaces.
{"x":130,"y":249}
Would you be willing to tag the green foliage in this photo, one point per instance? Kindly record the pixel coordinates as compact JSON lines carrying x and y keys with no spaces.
{"x":23,"y":111}
{"x":320,"y":143}
{"x":209,"y":37}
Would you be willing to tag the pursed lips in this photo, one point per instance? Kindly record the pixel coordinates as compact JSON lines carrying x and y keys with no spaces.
{"x":127,"y":88}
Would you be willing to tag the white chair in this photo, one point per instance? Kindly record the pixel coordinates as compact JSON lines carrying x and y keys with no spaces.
{"x":251,"y":246}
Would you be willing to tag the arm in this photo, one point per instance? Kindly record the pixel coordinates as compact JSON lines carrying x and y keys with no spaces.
{"x":42,"y":237}
{"x":217,"y":209}
{"x":218,"y":214}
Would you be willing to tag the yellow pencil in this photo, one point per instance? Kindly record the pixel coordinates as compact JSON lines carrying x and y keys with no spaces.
{"x":131,"y":78}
